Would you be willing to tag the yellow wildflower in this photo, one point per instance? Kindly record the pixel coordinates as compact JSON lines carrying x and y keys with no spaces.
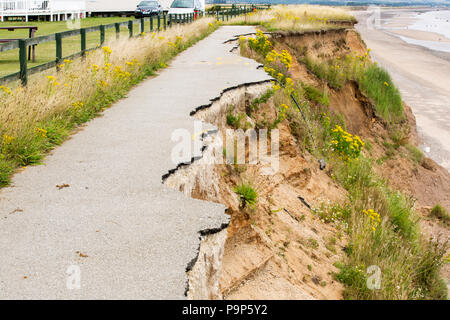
{"x":6,"y":90}
{"x":77,"y":105}
{"x":7,"y":139}
{"x":41,"y":132}
{"x":107,"y":50}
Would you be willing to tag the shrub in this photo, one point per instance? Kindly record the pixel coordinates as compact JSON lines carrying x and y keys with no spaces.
{"x":325,"y":71}
{"x":233,"y":121}
{"x":260,"y":100}
{"x":247,"y":194}
{"x":345,"y":144}
{"x":415,"y":153}
{"x":316,"y":95}
{"x":260,"y":43}
{"x":278,"y":65}
{"x":439,"y":212}
{"x":312,"y":243}
{"x":377,"y":84}
{"x":352,"y":277}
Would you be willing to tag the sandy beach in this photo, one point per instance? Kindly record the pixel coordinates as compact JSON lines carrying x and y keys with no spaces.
{"x":416,"y":52}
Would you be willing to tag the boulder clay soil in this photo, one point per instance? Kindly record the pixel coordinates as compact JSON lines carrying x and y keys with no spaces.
{"x":280,"y":248}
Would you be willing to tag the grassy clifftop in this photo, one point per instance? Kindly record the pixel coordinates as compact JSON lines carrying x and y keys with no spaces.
{"x":297,"y":18}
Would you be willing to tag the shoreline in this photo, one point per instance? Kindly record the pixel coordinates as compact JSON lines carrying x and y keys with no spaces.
{"x":421,"y":74}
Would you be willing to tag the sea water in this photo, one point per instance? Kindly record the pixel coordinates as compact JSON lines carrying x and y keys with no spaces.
{"x":432,"y":21}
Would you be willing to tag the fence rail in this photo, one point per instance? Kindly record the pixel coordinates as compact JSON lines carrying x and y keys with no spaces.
{"x":157,"y":23}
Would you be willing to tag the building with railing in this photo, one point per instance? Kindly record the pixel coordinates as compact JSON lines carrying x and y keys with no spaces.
{"x":47,"y":9}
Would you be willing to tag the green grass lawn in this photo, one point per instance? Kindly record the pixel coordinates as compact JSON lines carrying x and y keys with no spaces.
{"x":46,"y":52}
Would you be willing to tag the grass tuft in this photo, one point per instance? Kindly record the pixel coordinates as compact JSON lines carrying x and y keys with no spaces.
{"x":377,"y":84}
{"x":247,"y":194}
{"x":440,"y":213}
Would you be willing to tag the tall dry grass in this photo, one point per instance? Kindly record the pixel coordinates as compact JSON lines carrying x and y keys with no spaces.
{"x":36,"y":117}
{"x":295,"y":18}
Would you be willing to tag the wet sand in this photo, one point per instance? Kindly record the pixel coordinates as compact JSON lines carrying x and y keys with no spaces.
{"x":422,"y":75}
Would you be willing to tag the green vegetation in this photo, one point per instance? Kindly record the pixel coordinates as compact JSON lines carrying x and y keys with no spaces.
{"x":323,"y":70}
{"x":247,"y":194}
{"x":415,"y":153}
{"x":347,"y":146}
{"x":377,"y":84}
{"x":313,"y":244}
{"x":316,"y":95}
{"x":234,"y":121}
{"x":393,"y":243}
{"x":373,"y":80}
{"x":258,"y":101}
{"x":331,"y":245}
{"x":440,"y":213}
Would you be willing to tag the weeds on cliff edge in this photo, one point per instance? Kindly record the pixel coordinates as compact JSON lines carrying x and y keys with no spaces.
{"x":395,"y":245}
{"x":247,"y":195}
{"x":36,"y":118}
{"x":377,"y":84}
{"x":382,"y":224}
{"x":373,"y":81}
{"x":440,"y":213}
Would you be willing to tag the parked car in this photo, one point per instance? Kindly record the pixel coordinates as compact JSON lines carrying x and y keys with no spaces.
{"x":185,"y":6}
{"x":148,"y":8}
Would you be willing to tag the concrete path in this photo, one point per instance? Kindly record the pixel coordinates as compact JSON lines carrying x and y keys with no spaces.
{"x":131,"y":237}
{"x":423,"y":77}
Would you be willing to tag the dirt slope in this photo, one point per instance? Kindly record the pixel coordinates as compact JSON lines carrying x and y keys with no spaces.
{"x":280,"y":248}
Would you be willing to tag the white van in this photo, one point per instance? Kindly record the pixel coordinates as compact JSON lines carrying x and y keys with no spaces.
{"x":186,"y":6}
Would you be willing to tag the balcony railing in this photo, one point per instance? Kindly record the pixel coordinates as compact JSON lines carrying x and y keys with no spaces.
{"x":18,"y":7}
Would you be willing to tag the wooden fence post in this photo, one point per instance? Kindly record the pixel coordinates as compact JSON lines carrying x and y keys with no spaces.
{"x":83,"y":42}
{"x":58,"y":39}
{"x":23,"y":61}
{"x":117,"y":30}
{"x":130,"y":28}
{"x":159,"y":22}
{"x":142,"y":25}
{"x":102,"y":34}
{"x":151,"y":23}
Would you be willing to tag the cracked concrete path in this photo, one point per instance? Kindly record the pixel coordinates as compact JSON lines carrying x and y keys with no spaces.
{"x":131,"y":237}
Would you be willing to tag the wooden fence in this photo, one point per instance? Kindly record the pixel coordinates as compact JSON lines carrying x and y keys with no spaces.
{"x":157,"y":23}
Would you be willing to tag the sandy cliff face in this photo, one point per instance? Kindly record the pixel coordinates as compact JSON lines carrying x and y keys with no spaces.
{"x":281,"y":248}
